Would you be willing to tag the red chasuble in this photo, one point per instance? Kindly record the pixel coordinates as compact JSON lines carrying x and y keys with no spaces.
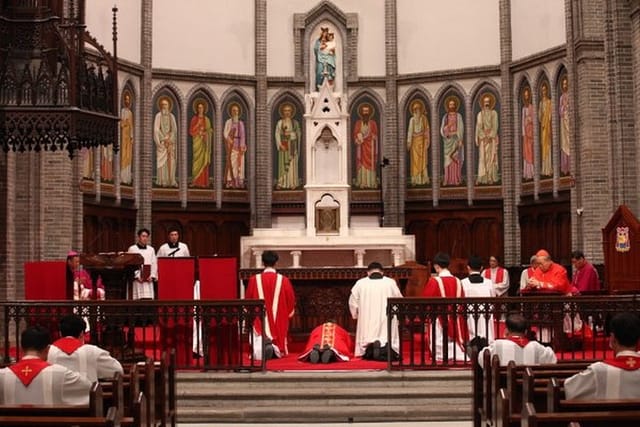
{"x":68,"y":344}
{"x":27,"y":369}
{"x":332,"y":335}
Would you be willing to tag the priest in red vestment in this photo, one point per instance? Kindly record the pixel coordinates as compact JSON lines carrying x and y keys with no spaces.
{"x":446,"y":285}
{"x":549,"y":277}
{"x":279,"y":300}
{"x":328,"y":342}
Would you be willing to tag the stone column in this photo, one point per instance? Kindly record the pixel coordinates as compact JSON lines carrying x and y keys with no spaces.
{"x":261,"y":183}
{"x":394,"y":188}
{"x":509,"y":178}
{"x":143,"y":171}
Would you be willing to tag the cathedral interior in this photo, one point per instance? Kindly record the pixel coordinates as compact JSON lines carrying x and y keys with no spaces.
{"x":490,"y":128}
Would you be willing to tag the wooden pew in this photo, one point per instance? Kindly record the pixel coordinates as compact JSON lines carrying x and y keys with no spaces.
{"x":477,"y":377}
{"x":557,"y":403}
{"x":619,"y":418}
{"x":514,"y":379}
{"x":110,"y":420}
{"x":94,"y":409}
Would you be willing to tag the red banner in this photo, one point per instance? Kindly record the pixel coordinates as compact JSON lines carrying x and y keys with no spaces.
{"x":218,"y":278}
{"x":45,"y":280}
{"x":176,"y":277}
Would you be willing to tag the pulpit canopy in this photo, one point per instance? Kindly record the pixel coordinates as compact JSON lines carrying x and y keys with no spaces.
{"x":621,"y":248}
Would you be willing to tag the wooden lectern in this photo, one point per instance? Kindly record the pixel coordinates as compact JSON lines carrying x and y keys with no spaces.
{"x":621,"y":247}
{"x":117,"y":270}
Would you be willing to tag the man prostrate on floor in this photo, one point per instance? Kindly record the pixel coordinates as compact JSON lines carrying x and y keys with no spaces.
{"x":616,"y":378}
{"x":327,"y":343}
{"x":72,"y":352}
{"x":35,"y":381}
{"x":280,"y":302}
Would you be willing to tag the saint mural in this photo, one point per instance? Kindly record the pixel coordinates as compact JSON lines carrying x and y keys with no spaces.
{"x":564,"y":111}
{"x":288,"y":138}
{"x":235,"y":145}
{"x":165,"y":137}
{"x":365,"y":140}
{"x":452,"y":133}
{"x":526,"y":123}
{"x":418,"y":143}
{"x":201,"y":134}
{"x":544,"y":117}
{"x":126,"y":139}
{"x":487,"y":140}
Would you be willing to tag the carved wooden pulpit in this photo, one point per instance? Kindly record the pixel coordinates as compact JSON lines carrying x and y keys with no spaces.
{"x":621,"y":247}
{"x":116,"y":270}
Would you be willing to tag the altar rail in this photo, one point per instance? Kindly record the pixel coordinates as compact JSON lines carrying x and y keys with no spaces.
{"x":134,"y":330}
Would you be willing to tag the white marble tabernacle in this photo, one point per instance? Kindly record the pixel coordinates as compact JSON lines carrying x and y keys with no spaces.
{"x":327,"y":235}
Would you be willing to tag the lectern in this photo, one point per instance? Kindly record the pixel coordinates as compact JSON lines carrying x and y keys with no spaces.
{"x":116,"y":269}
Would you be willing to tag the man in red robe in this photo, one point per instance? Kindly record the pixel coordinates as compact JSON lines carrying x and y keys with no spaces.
{"x":328,"y":342}
{"x":365,"y":137}
{"x":446,"y":285}
{"x":549,"y":277}
{"x":585,"y":278}
{"x":279,"y":300}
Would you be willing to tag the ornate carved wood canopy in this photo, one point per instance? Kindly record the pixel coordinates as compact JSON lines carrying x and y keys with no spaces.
{"x":55,"y":94}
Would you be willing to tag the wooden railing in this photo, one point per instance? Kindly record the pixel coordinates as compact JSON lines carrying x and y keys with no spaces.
{"x":216,"y":335}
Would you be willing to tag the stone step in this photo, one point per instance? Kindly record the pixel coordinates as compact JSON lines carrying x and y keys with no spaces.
{"x":323,"y":396}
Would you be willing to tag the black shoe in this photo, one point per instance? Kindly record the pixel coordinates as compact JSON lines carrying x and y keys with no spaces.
{"x":314,"y":356}
{"x":327,"y":356}
{"x":376,"y":350}
{"x":268,"y":351}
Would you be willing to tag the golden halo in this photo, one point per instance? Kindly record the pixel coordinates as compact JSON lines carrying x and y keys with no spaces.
{"x":492,"y":99}
{"x":419,"y":103}
{"x":162,"y":98}
{"x":202,"y":101}
{"x":546,"y":86}
{"x":285,"y":104}
{"x":366,"y":104}
{"x":237,"y":104}
{"x":564,"y":79}
{"x":526,"y":88}
{"x":450,"y":98}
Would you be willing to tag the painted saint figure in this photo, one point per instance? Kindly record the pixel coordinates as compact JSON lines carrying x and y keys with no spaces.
{"x":544,"y":116}
{"x":126,"y":140}
{"x":106,"y":163}
{"x":452,"y":132}
{"x":201,"y":132}
{"x":418,"y":142}
{"x":324,"y":49}
{"x":365,"y":138}
{"x":487,"y":141}
{"x":236,"y":146}
{"x":565,"y":128}
{"x":288,"y":137}
{"x":165,"y":134}
{"x":527,"y":135}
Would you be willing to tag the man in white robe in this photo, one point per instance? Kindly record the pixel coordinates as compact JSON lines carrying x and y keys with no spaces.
{"x":516,"y":345}
{"x":71,"y":351}
{"x":144,"y":277}
{"x":616,"y":378}
{"x":35,"y":381}
{"x":368,"y":305}
{"x":498,"y":275}
{"x":477,"y":286}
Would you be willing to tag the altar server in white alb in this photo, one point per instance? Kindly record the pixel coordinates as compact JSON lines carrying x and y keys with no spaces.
{"x":144,"y":277}
{"x":71,"y":351}
{"x":35,"y":381}
{"x":368,"y":305}
{"x":475,"y":285}
{"x":516,"y":345}
{"x":617,"y":377}
{"x":173,"y":247}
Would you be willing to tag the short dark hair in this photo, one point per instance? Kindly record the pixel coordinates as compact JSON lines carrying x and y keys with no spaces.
{"x":375,"y":265}
{"x":517,"y":323}
{"x":269,"y":258}
{"x":442,"y":259}
{"x":475,"y":262}
{"x":172,"y":229}
{"x":143,"y":230}
{"x":626,"y":328}
{"x":72,"y":326}
{"x":35,"y":338}
{"x":577,"y":255}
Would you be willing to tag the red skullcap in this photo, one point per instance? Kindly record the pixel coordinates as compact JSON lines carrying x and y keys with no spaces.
{"x":542,"y":252}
